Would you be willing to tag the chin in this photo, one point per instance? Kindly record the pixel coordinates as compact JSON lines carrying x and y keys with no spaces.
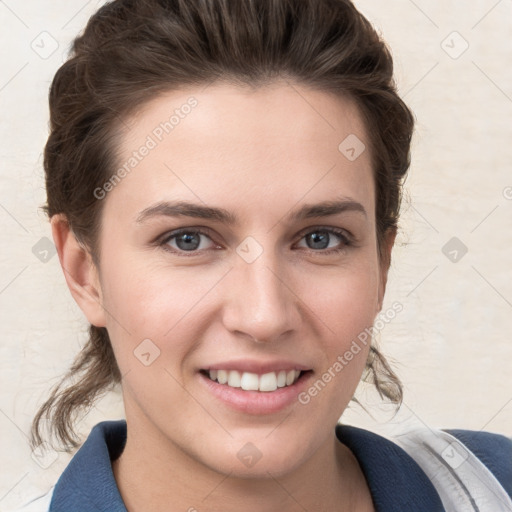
{"x":259,"y":459}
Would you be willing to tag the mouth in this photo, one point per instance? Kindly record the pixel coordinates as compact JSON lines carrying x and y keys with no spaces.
{"x":248,"y":381}
{"x":255,"y":387}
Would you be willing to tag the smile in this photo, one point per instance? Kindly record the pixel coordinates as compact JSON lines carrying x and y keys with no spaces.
{"x":255,"y":387}
{"x":248,"y":381}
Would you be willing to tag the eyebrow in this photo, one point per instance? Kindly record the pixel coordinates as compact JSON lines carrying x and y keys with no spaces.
{"x":187,"y":209}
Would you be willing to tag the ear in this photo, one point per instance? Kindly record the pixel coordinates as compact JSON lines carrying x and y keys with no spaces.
{"x":79,"y":270}
{"x":385,"y":261}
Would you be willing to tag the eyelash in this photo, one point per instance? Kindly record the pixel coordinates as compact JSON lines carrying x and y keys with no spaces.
{"x":346,"y":240}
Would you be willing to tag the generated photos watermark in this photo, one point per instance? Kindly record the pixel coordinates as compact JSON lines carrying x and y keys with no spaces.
{"x":363,"y":339}
{"x":152,"y":140}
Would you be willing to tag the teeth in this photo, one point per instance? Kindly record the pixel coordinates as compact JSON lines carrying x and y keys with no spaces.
{"x":254,"y":382}
{"x":281,"y":379}
{"x":268,"y":382}
{"x":234,"y":379}
{"x":249,"y":382}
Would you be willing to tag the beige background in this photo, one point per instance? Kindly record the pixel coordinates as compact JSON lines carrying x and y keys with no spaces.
{"x":452,"y":341}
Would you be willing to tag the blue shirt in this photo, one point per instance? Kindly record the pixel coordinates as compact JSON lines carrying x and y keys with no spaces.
{"x":396,"y":481}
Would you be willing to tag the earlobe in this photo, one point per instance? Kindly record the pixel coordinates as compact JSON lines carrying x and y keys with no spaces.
{"x":79,"y":271}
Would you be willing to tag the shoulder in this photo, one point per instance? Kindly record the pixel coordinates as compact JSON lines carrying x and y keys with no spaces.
{"x":394,"y":478}
{"x":493,"y":450}
{"x":87,"y":483}
{"x":416,"y":465}
{"x":39,"y":504}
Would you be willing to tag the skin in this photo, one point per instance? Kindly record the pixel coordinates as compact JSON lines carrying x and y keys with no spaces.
{"x":260,"y":154}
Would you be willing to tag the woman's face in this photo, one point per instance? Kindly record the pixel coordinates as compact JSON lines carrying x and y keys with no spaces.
{"x":242,"y":241}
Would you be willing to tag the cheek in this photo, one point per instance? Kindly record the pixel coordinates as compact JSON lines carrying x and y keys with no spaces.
{"x":347,"y":307}
{"x":144,"y":302}
{"x":169,"y":304}
{"x":347,"y":302}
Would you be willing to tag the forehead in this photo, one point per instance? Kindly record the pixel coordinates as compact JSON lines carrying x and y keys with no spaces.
{"x":282,"y":140}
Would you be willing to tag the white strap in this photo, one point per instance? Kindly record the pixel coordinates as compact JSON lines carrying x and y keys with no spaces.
{"x":462,"y":481}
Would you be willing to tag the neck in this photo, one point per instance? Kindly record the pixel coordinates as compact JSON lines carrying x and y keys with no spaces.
{"x":151,"y":477}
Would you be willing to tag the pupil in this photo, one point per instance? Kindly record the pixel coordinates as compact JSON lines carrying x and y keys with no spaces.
{"x":322,"y":239}
{"x":186,"y":239}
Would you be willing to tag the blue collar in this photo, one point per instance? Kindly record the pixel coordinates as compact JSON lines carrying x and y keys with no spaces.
{"x":396,"y":482}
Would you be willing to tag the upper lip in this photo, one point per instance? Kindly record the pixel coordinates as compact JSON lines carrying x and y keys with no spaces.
{"x":259,"y":367}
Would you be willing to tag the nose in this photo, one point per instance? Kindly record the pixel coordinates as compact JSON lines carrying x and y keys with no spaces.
{"x":261,"y":302}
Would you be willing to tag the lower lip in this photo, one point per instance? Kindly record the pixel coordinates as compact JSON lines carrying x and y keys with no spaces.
{"x":257,"y":402}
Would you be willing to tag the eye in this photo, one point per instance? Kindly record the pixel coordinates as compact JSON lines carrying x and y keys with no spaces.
{"x":187,"y":240}
{"x":192,"y":241}
{"x":321,"y":238}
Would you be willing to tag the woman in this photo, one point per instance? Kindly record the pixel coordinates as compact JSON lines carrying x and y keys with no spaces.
{"x":234,"y":316}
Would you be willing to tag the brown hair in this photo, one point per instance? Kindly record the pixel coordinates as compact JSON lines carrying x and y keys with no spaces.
{"x":132,"y":50}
